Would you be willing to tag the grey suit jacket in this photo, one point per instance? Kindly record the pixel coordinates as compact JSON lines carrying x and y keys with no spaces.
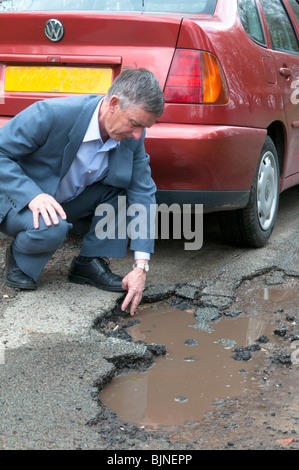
{"x":38,"y":146}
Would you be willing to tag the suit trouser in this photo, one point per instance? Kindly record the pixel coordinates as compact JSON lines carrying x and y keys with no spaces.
{"x":32,"y":248}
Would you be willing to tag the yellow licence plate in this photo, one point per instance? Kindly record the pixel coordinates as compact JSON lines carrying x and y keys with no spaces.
{"x":58,"y":79}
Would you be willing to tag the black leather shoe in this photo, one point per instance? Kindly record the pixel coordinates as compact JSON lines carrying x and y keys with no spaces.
{"x":96,"y":273}
{"x":14,"y":277}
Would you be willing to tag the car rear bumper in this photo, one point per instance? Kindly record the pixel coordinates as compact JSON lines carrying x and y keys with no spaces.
{"x":211,"y":200}
{"x":211,"y":165}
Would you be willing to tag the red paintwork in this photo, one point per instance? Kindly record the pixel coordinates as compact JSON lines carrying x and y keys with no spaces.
{"x":190,"y":163}
{"x":192,"y":147}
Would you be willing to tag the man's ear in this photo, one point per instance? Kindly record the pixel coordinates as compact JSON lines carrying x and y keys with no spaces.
{"x":113,"y":103}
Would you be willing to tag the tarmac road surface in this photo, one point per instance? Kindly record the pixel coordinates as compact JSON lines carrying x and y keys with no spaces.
{"x":53,"y":357}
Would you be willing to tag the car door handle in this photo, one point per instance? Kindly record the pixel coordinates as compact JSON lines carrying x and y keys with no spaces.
{"x":285,"y":71}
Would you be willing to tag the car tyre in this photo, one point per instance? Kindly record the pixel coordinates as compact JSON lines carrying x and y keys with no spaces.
{"x":253,"y":225}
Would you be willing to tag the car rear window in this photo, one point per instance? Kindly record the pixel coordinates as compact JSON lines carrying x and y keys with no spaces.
{"x":251,"y":21}
{"x":179,"y":6}
{"x":283,"y":36}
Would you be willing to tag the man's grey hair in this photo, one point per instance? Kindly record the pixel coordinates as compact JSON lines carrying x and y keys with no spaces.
{"x":138,"y":87}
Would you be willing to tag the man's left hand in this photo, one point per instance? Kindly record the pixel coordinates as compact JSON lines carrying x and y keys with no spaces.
{"x":134,"y":283}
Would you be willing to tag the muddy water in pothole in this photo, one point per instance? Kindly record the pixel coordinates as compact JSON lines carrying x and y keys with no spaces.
{"x":197,"y":369}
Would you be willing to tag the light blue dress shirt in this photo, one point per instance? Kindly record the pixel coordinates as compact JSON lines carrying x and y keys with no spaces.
{"x":89,"y":166}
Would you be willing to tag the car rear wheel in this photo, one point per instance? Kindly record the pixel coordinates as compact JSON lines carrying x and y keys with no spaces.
{"x":253,"y":225}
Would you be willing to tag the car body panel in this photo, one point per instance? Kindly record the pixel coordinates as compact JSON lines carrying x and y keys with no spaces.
{"x":191,"y":152}
{"x":287,"y":73}
{"x":291,"y":111}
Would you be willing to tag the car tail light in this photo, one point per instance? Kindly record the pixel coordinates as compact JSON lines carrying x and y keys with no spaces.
{"x":195,"y":77}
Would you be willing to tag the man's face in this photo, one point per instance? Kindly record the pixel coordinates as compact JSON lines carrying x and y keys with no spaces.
{"x":124,"y":124}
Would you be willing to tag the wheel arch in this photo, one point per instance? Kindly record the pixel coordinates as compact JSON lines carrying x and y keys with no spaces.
{"x":276,"y":131}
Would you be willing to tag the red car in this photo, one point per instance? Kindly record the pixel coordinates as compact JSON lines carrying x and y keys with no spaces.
{"x":229,"y":136}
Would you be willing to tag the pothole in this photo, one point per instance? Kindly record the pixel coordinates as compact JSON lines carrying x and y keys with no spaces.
{"x":198,"y":368}
{"x":204,"y":360}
